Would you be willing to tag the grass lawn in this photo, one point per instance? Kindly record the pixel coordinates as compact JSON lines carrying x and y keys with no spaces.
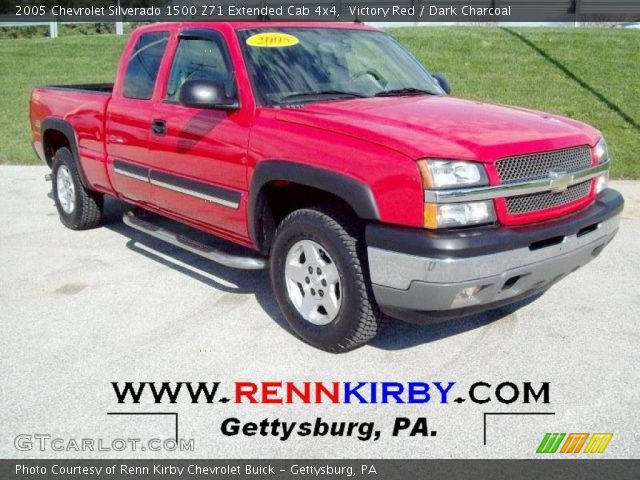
{"x":592,"y":75}
{"x":42,"y":61}
{"x":587,"y":74}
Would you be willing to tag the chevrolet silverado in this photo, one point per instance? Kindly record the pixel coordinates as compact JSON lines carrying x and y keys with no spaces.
{"x":340,"y":164}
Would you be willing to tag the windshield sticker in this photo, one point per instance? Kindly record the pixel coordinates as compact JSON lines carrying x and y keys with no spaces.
{"x":272,"y":40}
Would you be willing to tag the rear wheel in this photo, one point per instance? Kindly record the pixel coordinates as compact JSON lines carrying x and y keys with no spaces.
{"x":78,"y":208}
{"x":320,"y":280}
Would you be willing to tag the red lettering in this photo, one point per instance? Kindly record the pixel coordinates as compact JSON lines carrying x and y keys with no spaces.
{"x":270,"y":391}
{"x":333,"y":395}
{"x":246,"y":389}
{"x":304,"y":394}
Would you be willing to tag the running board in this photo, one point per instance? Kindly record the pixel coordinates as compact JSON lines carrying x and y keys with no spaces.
{"x":234,"y":261}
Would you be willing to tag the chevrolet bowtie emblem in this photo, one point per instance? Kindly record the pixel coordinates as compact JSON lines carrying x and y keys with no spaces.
{"x":560,"y":181}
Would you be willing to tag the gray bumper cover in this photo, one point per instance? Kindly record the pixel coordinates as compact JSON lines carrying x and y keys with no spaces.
{"x":405,"y":282}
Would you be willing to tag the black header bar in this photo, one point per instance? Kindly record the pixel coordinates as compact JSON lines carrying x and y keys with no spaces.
{"x":476,"y":11}
{"x":122,"y":469}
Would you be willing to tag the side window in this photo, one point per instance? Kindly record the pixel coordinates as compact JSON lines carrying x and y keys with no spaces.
{"x":143,"y":66}
{"x":199,"y":59}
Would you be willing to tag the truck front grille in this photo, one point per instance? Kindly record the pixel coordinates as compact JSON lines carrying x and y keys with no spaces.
{"x":544,"y":200}
{"x":538,"y":166}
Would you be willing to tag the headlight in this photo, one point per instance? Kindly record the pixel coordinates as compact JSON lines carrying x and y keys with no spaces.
{"x":601,"y":182}
{"x":437,"y":174}
{"x":442,"y":174}
{"x":601,"y":151}
{"x":450,"y":215}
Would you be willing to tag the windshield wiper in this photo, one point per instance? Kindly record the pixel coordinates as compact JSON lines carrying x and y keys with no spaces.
{"x":319,"y":94}
{"x":403,"y":91}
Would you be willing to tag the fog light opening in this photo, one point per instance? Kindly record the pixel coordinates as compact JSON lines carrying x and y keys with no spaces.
{"x":596,"y":251}
{"x":510,"y":283}
{"x":468,"y":296}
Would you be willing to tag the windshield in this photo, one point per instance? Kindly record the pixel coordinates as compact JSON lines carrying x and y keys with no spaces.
{"x":294,"y":65}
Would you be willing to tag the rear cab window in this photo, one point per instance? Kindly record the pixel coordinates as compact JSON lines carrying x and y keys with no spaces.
{"x":144,"y":63}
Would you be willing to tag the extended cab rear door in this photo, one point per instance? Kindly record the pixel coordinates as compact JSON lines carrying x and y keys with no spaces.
{"x":128,"y":123}
{"x":198,"y":156}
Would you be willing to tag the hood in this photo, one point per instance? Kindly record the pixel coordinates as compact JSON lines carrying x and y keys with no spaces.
{"x":444,"y":127}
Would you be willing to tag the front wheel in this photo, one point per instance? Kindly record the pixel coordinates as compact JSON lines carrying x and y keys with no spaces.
{"x":320,"y":280}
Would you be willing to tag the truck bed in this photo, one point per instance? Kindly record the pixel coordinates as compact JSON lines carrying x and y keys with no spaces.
{"x":83,"y":108}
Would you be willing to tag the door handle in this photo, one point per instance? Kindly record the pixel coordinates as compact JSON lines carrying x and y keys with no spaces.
{"x":159,"y":126}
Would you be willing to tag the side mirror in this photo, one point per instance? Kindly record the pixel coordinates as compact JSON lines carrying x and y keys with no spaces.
{"x":443,"y":82}
{"x":206,"y":94}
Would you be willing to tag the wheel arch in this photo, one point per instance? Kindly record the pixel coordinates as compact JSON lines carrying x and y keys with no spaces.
{"x":320,"y":184}
{"x":56,"y":134}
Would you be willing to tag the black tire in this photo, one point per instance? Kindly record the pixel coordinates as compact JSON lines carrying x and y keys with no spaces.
{"x":358,"y":319}
{"x":87,"y":209}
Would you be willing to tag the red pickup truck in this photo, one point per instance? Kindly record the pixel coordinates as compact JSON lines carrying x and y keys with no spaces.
{"x":341,"y":164}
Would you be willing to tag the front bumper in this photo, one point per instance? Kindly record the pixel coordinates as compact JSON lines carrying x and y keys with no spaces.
{"x":421,"y":275}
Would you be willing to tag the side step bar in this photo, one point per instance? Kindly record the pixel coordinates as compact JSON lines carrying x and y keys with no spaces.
{"x":234,"y":261}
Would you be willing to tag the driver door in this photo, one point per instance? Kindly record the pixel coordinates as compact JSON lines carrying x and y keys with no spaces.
{"x":197,"y":156}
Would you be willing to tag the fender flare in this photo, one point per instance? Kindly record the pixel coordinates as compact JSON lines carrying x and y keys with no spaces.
{"x":352,"y":191}
{"x":51,"y":123}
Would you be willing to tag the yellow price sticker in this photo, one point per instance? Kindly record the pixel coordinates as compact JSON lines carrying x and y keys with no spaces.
{"x":272,"y":40}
